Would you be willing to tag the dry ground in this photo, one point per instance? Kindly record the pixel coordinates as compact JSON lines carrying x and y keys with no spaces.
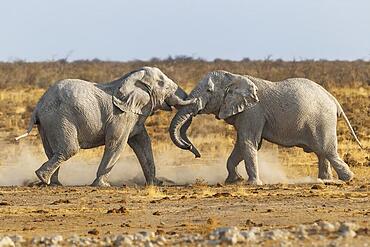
{"x":170,"y":210}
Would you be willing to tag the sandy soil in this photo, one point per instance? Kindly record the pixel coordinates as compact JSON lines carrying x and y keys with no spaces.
{"x":198,"y":208}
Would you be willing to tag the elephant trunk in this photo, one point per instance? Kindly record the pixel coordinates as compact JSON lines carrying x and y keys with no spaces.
{"x":181,"y":93}
{"x":178,"y":127}
{"x":178,"y":99}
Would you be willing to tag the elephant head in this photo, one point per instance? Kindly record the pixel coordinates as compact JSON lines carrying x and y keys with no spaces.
{"x":220,"y":93}
{"x":147,"y":89}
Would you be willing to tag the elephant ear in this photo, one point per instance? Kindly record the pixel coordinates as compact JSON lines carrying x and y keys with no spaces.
{"x":239,"y":96}
{"x":133,"y":93}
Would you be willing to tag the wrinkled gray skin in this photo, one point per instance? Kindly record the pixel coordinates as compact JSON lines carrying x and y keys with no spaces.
{"x":74,"y":114}
{"x":293,"y":112}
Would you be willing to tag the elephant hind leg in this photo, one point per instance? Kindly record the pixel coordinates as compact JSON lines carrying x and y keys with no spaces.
{"x":45,"y":172}
{"x":325,"y":172}
{"x":325,"y":145}
{"x":49,"y":153}
{"x":329,"y":149}
{"x":62,"y":143}
{"x":341,"y":168}
{"x":54,"y":180}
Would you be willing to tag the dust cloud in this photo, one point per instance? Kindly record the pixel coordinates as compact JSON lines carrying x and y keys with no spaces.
{"x":18,"y":169}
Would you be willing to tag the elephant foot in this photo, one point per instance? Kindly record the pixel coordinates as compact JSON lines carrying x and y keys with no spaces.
{"x":56,"y":183}
{"x":100,"y":183}
{"x":346,"y":176}
{"x":331,"y":181}
{"x":326,"y":175}
{"x":254,"y":182}
{"x":44,"y":176}
{"x":155,"y":181}
{"x":234,"y":179}
{"x":37,"y":183}
{"x":166,"y":181}
{"x":158,"y":182}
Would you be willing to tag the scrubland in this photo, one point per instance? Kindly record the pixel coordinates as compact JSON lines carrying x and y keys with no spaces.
{"x":198,"y":203}
{"x":22,"y":84}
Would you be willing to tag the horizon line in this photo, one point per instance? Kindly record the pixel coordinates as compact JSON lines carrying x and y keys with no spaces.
{"x":184,"y":58}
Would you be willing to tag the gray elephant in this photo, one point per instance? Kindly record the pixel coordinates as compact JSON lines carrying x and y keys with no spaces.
{"x":293,"y":112}
{"x":74,"y":114}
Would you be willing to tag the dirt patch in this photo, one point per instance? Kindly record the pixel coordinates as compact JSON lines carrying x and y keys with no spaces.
{"x":34,"y":211}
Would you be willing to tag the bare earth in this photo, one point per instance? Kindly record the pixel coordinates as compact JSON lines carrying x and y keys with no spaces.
{"x":175,"y":210}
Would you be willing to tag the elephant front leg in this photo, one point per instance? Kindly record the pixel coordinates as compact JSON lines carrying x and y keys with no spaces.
{"x":142,"y":147}
{"x":232,"y":163}
{"x":249,"y":128}
{"x":248,"y":150}
{"x":115,"y":142}
{"x":111,"y":155}
{"x":251,"y":165}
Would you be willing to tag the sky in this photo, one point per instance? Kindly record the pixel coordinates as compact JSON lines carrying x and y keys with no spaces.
{"x":123,"y":30}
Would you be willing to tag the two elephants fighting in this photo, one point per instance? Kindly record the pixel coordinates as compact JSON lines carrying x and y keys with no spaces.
{"x":74,"y":114}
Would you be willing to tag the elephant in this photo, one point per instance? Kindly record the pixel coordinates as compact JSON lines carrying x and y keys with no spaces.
{"x":75,"y":114}
{"x":293,"y":112}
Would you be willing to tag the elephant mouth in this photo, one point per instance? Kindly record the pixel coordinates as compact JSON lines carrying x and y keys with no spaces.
{"x":166,"y":106}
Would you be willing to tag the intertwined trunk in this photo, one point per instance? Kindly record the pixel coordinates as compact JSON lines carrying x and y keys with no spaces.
{"x":178,"y":127}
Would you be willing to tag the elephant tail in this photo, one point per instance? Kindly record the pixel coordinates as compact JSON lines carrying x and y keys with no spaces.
{"x":341,"y":113}
{"x":32,"y":122}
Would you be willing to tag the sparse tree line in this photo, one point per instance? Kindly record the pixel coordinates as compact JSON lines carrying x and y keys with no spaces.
{"x":185,"y":70}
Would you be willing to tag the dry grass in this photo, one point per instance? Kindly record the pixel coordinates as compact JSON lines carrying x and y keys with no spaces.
{"x":241,"y":191}
{"x":186,"y":71}
{"x":153,"y":192}
{"x":22,"y":84}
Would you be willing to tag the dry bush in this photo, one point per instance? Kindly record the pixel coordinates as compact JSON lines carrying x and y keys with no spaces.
{"x":186,"y":71}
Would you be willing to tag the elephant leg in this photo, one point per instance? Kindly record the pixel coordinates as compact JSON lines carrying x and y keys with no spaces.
{"x":340,"y":167}
{"x":54,"y":181}
{"x":232,"y":163}
{"x":45,"y":172}
{"x":112,"y":152}
{"x":325,"y":172}
{"x":115,"y":142}
{"x":249,"y":137}
{"x":142,"y":147}
{"x":248,"y":144}
{"x":251,"y":165}
{"x":48,"y":172}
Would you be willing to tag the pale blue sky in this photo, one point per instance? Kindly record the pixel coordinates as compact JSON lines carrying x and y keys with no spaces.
{"x":124,"y":30}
